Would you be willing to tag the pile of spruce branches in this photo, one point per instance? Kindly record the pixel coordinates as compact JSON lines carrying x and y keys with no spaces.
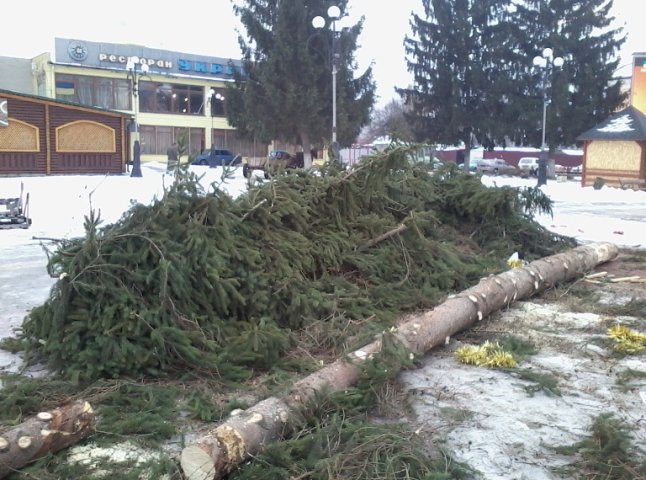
{"x":202,"y":282}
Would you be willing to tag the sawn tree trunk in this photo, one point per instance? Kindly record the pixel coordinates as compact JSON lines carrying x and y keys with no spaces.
{"x":245,"y":434}
{"x":44,"y":433}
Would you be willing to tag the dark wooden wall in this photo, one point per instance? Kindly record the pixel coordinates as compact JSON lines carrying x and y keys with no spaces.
{"x":612,"y":177}
{"x":47,"y":116}
{"x":26,"y":162}
{"x":85,"y":162}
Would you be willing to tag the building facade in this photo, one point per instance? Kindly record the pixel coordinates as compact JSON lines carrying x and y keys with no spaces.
{"x":615,"y":150}
{"x":15,"y":75}
{"x":175,"y":96}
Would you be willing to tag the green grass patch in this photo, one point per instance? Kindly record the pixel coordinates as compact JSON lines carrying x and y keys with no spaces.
{"x":12,"y":344}
{"x":607,"y":453}
{"x":453,"y":414}
{"x":519,"y":348}
{"x":351,"y":448}
{"x":633,"y":308}
{"x":22,"y":396}
{"x":140,"y":410}
{"x":204,"y":407}
{"x":630,"y":379}
{"x":633,"y":256}
{"x":541,"y":382}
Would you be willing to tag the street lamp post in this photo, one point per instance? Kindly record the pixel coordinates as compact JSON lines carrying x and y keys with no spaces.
{"x":546,"y":61}
{"x":318,"y":22}
{"x":215,"y":100}
{"x":135,"y":70}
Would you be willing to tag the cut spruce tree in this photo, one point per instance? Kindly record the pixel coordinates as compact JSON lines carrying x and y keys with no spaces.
{"x":202,"y":282}
{"x":245,"y":433}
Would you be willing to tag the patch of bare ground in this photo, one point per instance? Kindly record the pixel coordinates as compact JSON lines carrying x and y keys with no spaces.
{"x":506,"y":423}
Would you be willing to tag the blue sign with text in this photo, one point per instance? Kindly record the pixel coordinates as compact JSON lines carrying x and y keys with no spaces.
{"x":115,"y":56}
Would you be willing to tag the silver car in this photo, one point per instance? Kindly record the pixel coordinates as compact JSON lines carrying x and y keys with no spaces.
{"x":496,"y":166}
{"x":528,"y":165}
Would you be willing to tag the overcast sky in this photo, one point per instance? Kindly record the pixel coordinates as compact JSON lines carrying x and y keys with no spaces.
{"x":209,"y":27}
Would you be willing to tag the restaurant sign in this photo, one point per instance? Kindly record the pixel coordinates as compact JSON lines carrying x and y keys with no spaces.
{"x":116,"y":56}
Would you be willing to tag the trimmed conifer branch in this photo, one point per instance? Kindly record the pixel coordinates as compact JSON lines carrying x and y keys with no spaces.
{"x":159,"y":291}
{"x":384,"y":236}
{"x":255,"y":207}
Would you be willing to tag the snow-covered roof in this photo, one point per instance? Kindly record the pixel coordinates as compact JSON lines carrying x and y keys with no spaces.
{"x":627,"y":124}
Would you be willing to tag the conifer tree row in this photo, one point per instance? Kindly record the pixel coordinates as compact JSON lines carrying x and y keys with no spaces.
{"x":474,"y":82}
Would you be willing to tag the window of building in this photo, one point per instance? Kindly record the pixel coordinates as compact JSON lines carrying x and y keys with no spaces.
{"x":110,"y":93}
{"x":157,"y":97}
{"x":156,"y":140}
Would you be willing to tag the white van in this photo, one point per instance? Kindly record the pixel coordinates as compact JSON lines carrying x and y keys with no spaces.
{"x":529,"y":165}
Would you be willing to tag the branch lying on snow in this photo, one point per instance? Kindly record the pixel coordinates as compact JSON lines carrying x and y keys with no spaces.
{"x":245,"y":433}
{"x":605,"y":277}
{"x":634,"y":278}
{"x":49,"y":239}
{"x":595,"y":275}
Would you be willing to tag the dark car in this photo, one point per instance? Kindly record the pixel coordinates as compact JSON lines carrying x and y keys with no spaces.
{"x":275,"y":161}
{"x":217,"y":158}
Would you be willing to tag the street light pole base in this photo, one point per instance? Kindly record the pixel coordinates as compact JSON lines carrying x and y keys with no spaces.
{"x":542,"y":168}
{"x":335,"y":154}
{"x":136,"y":160}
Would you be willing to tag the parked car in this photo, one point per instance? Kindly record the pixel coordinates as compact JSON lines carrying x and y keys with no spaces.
{"x":528,"y":165}
{"x":496,"y":166}
{"x":276,"y":160}
{"x":473,"y":164}
{"x":217,"y":158}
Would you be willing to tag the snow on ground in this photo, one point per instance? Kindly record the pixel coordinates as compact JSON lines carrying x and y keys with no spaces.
{"x":486,"y":417}
{"x":493,"y":421}
{"x":606,"y":215}
{"x":58,"y":204}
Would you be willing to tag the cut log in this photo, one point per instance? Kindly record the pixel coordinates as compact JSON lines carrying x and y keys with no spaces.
{"x":44,"y":433}
{"x":245,"y":434}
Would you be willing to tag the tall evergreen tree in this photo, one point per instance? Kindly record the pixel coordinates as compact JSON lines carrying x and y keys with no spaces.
{"x":584,"y":91}
{"x":285,"y":90}
{"x":458,"y":55}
